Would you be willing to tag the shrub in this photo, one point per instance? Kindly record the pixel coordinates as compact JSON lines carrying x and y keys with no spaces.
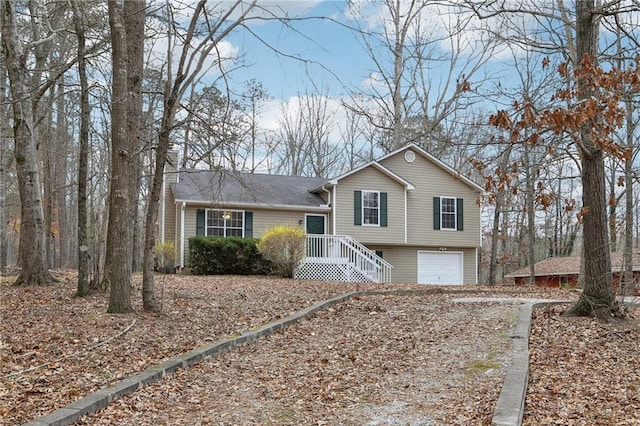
{"x":165,"y":257}
{"x":221,"y":256}
{"x":283,"y":246}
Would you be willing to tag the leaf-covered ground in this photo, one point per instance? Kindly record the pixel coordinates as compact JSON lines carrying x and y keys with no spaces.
{"x":424,"y":359}
{"x":582,"y":371}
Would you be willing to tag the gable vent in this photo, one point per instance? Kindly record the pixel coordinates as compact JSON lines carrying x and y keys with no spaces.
{"x":410,"y":156}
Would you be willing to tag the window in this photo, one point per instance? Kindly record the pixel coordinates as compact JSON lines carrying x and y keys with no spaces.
{"x":448,"y":213}
{"x":370,"y":208}
{"x":225,"y":223}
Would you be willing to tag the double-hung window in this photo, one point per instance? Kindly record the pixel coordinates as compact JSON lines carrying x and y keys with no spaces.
{"x":370,"y":208}
{"x":448,"y":214}
{"x":225,"y":223}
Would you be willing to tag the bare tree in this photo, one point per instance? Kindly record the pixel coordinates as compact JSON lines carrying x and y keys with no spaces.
{"x":188,"y":70}
{"x":303,"y":143}
{"x":127,"y":39}
{"x":404,"y":46}
{"x":4,"y":153}
{"x":24,"y":83}
{"x":589,"y":117}
{"x":597,"y":297}
{"x":255,"y":95}
{"x":83,"y":287}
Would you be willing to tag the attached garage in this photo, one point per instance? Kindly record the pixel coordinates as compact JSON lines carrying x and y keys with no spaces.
{"x":440,"y":267}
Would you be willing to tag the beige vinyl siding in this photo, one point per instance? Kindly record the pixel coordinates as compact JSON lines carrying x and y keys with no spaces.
{"x":405,"y":262}
{"x":189,"y":229}
{"x":432,"y":181}
{"x":370,"y":179}
{"x":262,"y":219}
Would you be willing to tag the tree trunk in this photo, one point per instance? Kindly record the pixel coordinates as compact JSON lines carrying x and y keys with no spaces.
{"x":149,"y":301}
{"x":46,"y":140}
{"x":495,"y":235}
{"x":83,"y":288}
{"x":626,"y":282}
{"x":530,"y":207}
{"x":127,"y":34}
{"x":597,"y":297}
{"x":4,"y":153}
{"x":61,"y":173}
{"x":398,"y":67}
{"x":33,"y":255}
{"x":613,"y":211}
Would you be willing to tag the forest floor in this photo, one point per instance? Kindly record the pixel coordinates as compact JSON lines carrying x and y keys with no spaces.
{"x":423,"y":359}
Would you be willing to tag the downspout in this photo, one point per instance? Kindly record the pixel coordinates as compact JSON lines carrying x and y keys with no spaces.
{"x":406,"y":234}
{"x":329,"y":203}
{"x":182,"y":218}
{"x":476,"y":266}
{"x":333,"y":208}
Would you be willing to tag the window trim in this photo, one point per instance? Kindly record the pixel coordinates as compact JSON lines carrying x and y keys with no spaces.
{"x":454,"y":213}
{"x":224,"y":227}
{"x":362,"y":207}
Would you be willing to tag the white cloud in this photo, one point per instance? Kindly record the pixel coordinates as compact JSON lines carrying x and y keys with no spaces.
{"x":373,"y":81}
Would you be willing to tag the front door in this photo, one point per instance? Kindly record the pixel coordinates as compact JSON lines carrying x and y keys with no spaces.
{"x":315,"y":224}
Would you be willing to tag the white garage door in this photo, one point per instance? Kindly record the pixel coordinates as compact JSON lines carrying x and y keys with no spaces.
{"x":440,"y":268}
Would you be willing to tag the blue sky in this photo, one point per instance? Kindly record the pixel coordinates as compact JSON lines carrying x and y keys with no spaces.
{"x":321,"y":43}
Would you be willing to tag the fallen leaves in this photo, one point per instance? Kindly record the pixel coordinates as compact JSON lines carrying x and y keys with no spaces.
{"x":367,"y":360}
{"x":582,"y":371}
{"x":373,"y":357}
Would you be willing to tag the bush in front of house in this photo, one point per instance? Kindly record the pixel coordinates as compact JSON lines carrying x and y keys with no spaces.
{"x":165,"y":259}
{"x":284,"y":247}
{"x":225,"y":256}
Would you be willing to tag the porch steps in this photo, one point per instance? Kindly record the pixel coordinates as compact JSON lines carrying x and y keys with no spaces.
{"x":342,"y":258}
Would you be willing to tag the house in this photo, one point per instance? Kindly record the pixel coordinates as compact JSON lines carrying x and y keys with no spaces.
{"x":405,"y":217}
{"x":565,"y":272}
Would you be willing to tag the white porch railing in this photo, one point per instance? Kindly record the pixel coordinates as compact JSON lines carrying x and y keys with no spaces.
{"x":342,"y":258}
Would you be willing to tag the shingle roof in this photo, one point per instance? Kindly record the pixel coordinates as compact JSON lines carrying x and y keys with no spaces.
{"x":216,"y":187}
{"x":570,"y":265}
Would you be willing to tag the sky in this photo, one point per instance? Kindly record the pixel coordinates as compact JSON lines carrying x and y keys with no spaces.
{"x":329,"y":53}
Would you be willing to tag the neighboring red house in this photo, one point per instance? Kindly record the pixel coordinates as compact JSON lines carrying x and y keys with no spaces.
{"x":565,"y":271}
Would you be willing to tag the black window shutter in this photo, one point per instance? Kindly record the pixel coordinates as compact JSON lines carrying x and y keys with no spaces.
{"x":200,"y":219}
{"x":383,"y":209}
{"x":459,"y":214}
{"x":248,"y":224}
{"x":436,"y":213}
{"x":357,"y":207}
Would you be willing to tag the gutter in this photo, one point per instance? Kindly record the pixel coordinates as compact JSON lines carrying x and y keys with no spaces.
{"x":318,"y":208}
